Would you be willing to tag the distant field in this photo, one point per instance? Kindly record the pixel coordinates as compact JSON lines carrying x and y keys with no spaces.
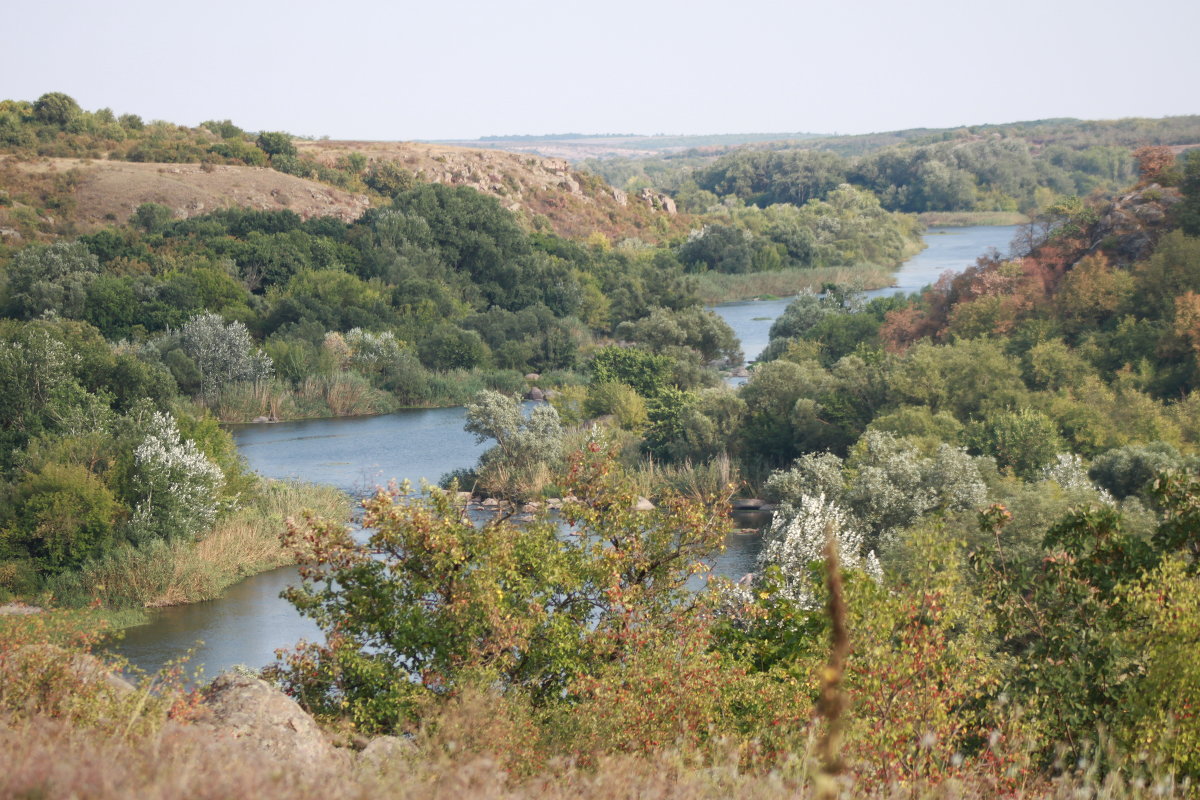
{"x":576,"y":147}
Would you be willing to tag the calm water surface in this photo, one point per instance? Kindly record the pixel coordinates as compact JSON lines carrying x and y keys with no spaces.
{"x":949,"y":249}
{"x":250,"y":621}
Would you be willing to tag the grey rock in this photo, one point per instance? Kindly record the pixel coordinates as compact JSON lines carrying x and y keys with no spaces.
{"x":253,"y":712}
{"x":386,"y":753}
{"x":643,"y":504}
{"x":18,"y":609}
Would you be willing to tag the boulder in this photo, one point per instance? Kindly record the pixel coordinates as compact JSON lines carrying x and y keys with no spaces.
{"x":533,"y":376}
{"x":253,"y":712}
{"x":535,"y":394}
{"x":18,"y":609}
{"x":643,"y":504}
{"x":386,"y":753}
{"x":261,"y":419}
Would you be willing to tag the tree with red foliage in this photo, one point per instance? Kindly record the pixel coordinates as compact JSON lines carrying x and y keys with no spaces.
{"x":1152,"y":163}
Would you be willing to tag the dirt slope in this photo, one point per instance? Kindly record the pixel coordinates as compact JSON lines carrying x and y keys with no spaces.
{"x":572,"y":203}
{"x":57,"y":196}
{"x":104,"y":191}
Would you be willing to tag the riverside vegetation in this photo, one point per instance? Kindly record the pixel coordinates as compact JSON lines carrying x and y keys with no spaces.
{"x":1005,"y":466}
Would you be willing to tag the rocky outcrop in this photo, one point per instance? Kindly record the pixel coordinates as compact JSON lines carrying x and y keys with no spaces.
{"x":1130,"y":227}
{"x":658,"y":201}
{"x":386,"y":753}
{"x":252,"y":712}
{"x":573,"y":203}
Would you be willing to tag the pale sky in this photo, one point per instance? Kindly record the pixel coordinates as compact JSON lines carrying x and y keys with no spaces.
{"x":440,"y":69}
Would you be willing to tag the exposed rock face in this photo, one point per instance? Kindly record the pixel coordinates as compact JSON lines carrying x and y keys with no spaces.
{"x":1130,"y":227}
{"x":251,"y":711}
{"x":574,"y":203}
{"x":657,"y":201}
{"x":386,"y":753}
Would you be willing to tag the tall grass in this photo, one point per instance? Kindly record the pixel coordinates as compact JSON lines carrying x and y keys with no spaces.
{"x":962,"y":219}
{"x":346,"y":394}
{"x":52,"y":758}
{"x":715,"y":287}
{"x":243,"y":543}
{"x":718,"y":477}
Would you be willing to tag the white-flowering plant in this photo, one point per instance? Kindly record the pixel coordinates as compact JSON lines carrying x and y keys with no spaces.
{"x":1070,"y":473}
{"x":175,"y":486}
{"x":797,"y":539}
{"x":372,"y":352}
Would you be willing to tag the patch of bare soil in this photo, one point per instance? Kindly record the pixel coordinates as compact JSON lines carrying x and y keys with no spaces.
{"x":109,"y":191}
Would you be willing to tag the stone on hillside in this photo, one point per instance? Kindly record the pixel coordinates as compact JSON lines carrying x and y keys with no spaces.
{"x":386,"y":753}
{"x":251,"y":711}
{"x":533,"y":376}
{"x":18,"y":609}
{"x":535,"y":394}
{"x":643,"y":504}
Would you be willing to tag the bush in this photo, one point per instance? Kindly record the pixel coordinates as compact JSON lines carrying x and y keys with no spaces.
{"x":174,"y":488}
{"x":433,"y":604}
{"x":618,"y":399}
{"x":62,"y":515}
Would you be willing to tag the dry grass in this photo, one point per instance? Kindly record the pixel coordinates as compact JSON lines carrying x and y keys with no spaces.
{"x":112,"y":190}
{"x":49,"y":758}
{"x":243,"y":543}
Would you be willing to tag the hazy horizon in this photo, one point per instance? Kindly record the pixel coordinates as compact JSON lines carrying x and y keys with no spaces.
{"x":466,"y":69}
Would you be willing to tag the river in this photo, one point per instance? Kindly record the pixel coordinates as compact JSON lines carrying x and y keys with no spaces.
{"x":250,"y":621}
{"x":948,"y":249}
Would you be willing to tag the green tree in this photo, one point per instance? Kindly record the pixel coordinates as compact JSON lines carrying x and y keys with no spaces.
{"x":647,"y":373}
{"x":62,"y":515}
{"x":223,"y":353}
{"x":56,"y":108}
{"x":433,"y":604}
{"x":276,"y":143}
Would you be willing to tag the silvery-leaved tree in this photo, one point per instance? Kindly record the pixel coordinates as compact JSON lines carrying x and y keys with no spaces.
{"x":223,"y":353}
{"x":528,"y":449}
{"x":175,"y":486}
{"x":797,"y":538}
